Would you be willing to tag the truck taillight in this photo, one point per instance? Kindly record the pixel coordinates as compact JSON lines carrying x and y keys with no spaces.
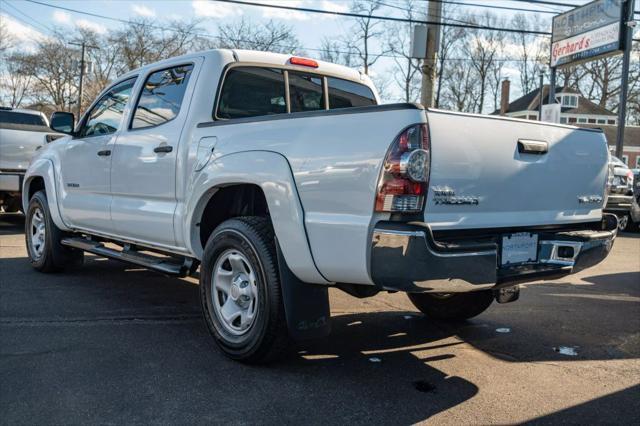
{"x":403,"y":183}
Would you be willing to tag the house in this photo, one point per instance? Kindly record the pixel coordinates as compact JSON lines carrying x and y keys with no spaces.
{"x":575,"y":110}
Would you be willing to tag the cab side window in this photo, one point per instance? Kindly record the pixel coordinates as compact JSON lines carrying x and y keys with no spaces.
{"x":345,"y":94}
{"x":105,"y":116}
{"x":305,"y":92}
{"x":161,"y":97}
{"x":249,"y":92}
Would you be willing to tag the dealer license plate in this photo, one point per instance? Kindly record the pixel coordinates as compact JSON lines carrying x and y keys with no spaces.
{"x":519,"y":248}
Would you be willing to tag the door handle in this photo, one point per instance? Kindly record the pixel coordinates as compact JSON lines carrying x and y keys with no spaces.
{"x":527,"y":146}
{"x":163,"y":148}
{"x":104,"y":153}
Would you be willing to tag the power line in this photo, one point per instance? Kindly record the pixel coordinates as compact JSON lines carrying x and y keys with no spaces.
{"x":555,"y":3}
{"x":343,"y":52}
{"x":549,"y":3}
{"x":213,"y":36}
{"x":442,"y":17}
{"x":493,"y":6}
{"x":40,"y":26}
{"x":383,"y":18}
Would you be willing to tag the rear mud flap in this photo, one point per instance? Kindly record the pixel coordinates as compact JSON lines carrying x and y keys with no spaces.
{"x":306,"y":306}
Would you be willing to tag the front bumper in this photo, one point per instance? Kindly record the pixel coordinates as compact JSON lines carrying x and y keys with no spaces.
{"x":406,"y":257}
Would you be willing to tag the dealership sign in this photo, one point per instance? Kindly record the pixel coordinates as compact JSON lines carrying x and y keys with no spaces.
{"x":587,"y":32}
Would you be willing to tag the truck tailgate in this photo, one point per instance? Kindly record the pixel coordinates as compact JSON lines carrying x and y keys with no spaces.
{"x":481,"y":178}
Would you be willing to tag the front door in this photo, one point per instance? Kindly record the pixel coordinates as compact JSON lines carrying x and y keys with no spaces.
{"x":86,"y":162}
{"x":143,"y":169}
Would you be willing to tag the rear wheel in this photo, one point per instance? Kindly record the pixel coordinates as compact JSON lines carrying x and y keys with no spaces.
{"x":43,"y":239}
{"x":240,"y":291}
{"x":452,"y":306}
{"x":623,"y":222}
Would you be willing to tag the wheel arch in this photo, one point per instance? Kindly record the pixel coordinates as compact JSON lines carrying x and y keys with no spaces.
{"x":41,"y":175}
{"x":260,"y":177}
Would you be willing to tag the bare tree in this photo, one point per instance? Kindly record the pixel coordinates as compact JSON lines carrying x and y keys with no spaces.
{"x":366,"y":30}
{"x":406,"y":70}
{"x":272,"y":36}
{"x":7,"y":41}
{"x":450,"y":40}
{"x":530,"y":51}
{"x":460,"y":93}
{"x":334,"y":51}
{"x":16,"y":85}
{"x":53,"y":70}
{"x":143,"y":41}
{"x":495,"y":82}
{"x":483,"y":51}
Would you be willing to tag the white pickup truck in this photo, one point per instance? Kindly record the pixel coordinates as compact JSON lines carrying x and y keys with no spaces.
{"x":281,"y":177}
{"x":22,"y":133}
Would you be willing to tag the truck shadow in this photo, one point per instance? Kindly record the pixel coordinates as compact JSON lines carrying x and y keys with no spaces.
{"x":115,"y":343}
{"x":86,"y":341}
{"x":11,"y":223}
{"x":621,"y":405}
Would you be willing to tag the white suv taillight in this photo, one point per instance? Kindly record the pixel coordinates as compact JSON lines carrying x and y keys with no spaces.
{"x":402,"y":186}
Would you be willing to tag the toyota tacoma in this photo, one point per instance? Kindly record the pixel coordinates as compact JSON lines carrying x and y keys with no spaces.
{"x":280,"y":177}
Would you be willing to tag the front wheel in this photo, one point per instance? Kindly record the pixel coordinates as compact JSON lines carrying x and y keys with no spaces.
{"x":240,"y":291}
{"x":43,"y":237}
{"x":452,"y":306}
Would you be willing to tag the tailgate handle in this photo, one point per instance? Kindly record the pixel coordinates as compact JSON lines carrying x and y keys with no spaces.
{"x":527,"y":146}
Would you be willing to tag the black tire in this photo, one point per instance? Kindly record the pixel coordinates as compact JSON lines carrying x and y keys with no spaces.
{"x":12,"y":205}
{"x":454,"y":306}
{"x":54,"y":256}
{"x":624,"y":222}
{"x":267,"y":337}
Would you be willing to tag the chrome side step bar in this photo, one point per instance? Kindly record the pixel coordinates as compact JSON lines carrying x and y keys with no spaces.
{"x":175,"y":266}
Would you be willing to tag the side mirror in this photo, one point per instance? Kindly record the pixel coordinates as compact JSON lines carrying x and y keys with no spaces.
{"x":62,"y":122}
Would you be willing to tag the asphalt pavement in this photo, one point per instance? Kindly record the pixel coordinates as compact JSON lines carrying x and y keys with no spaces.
{"x":109,"y":343}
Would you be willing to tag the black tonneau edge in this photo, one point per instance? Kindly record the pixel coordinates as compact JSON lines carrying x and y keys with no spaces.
{"x":319,"y":113}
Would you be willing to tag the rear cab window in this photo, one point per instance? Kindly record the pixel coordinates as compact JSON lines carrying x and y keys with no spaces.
{"x":11,"y":117}
{"x":251,"y":91}
{"x":306,"y":92}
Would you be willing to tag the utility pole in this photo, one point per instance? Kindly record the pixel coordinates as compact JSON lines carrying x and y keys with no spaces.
{"x":629,"y":24}
{"x":552,"y":86}
{"x":83,"y":47}
{"x":429,"y":65}
{"x":541,"y":95}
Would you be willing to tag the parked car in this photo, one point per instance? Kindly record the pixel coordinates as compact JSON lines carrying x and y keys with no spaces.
{"x":634,"y":212}
{"x":22,"y":132}
{"x":281,"y":177}
{"x":621,"y":193}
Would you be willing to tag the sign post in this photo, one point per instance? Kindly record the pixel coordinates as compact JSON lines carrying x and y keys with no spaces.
{"x":551,"y":113}
{"x":628,"y":22}
{"x":595,"y":30}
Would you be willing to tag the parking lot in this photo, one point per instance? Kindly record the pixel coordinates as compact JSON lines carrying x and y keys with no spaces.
{"x":111,"y":343}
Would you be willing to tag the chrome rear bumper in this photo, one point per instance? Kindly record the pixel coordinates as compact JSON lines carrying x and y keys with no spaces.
{"x":406,"y":257}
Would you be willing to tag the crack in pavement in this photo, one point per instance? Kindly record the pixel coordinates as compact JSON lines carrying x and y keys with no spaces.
{"x":164,"y":319}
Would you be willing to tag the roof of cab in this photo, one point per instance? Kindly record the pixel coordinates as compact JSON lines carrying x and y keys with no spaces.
{"x":259,"y":57}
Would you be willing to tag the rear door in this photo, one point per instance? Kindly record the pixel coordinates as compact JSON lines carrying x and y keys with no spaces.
{"x":143,"y":169}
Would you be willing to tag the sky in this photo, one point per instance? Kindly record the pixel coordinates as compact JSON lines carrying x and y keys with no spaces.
{"x":29,"y":21}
